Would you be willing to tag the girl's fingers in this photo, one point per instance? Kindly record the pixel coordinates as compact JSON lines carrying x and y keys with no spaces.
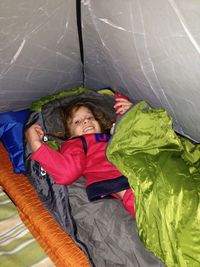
{"x":129,"y":104}
{"x":40,"y":132}
{"x":38,"y":129}
{"x":122,"y":105}
{"x":121,"y":109}
{"x":121,"y":100}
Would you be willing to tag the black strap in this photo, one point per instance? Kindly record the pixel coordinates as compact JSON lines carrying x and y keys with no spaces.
{"x":84,"y":144}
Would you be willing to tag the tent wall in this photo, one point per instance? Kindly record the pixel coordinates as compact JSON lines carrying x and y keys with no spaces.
{"x":39,"y":50}
{"x":147,"y":49}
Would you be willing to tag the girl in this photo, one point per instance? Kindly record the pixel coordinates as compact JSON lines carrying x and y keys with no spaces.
{"x":84,"y":152}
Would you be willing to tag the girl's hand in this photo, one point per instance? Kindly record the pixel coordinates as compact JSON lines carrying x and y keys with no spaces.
{"x":122,"y":104}
{"x":34,"y":136}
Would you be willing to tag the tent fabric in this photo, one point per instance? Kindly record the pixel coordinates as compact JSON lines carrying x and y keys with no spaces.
{"x":56,"y":243}
{"x":40,"y":52}
{"x":163,"y":169}
{"x":109,"y":231}
{"x":145,"y":49}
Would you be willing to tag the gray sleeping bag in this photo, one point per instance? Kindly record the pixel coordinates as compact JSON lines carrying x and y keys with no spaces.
{"x":103,"y":229}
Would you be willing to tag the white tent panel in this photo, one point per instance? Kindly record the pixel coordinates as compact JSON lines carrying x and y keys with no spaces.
{"x":39,"y":50}
{"x":146,"y":49}
{"x":149,"y":49}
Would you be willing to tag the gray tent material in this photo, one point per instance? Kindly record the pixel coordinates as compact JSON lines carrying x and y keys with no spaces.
{"x":146,"y":49}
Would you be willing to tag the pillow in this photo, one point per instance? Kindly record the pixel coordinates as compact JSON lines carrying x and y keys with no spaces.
{"x":47,"y":111}
{"x":11,"y":134}
{"x":51,"y":110}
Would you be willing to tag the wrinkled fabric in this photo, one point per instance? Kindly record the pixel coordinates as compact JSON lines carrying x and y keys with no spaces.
{"x":71,"y":162}
{"x":163,"y":169}
{"x":108,"y":230}
{"x":11,"y":134}
{"x":103,"y":229}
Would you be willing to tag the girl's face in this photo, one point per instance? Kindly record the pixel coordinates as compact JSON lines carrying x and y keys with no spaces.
{"x":83,"y":122}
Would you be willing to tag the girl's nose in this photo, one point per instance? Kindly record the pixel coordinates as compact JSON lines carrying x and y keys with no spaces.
{"x":85,"y":120}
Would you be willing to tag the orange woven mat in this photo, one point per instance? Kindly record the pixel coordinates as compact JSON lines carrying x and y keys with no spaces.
{"x":57,"y":244}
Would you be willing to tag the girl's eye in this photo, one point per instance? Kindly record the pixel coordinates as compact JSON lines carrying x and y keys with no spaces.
{"x":90,"y":118}
{"x":76,"y":122}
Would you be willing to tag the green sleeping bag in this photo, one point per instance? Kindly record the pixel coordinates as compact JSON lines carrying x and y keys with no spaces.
{"x":163,"y":169}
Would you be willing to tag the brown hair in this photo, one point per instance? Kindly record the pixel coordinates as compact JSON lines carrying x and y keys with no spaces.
{"x":68,"y":111}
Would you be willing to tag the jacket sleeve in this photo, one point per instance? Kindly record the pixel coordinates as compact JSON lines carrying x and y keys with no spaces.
{"x":65,"y":166}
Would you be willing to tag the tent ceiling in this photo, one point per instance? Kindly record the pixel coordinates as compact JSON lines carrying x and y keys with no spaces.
{"x":39,"y":50}
{"x":147,"y":49}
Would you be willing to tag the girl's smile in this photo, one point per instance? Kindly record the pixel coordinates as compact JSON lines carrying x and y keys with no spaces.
{"x":83,"y":122}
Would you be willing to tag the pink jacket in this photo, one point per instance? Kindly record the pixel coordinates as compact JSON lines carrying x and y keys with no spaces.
{"x":71,"y":162}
